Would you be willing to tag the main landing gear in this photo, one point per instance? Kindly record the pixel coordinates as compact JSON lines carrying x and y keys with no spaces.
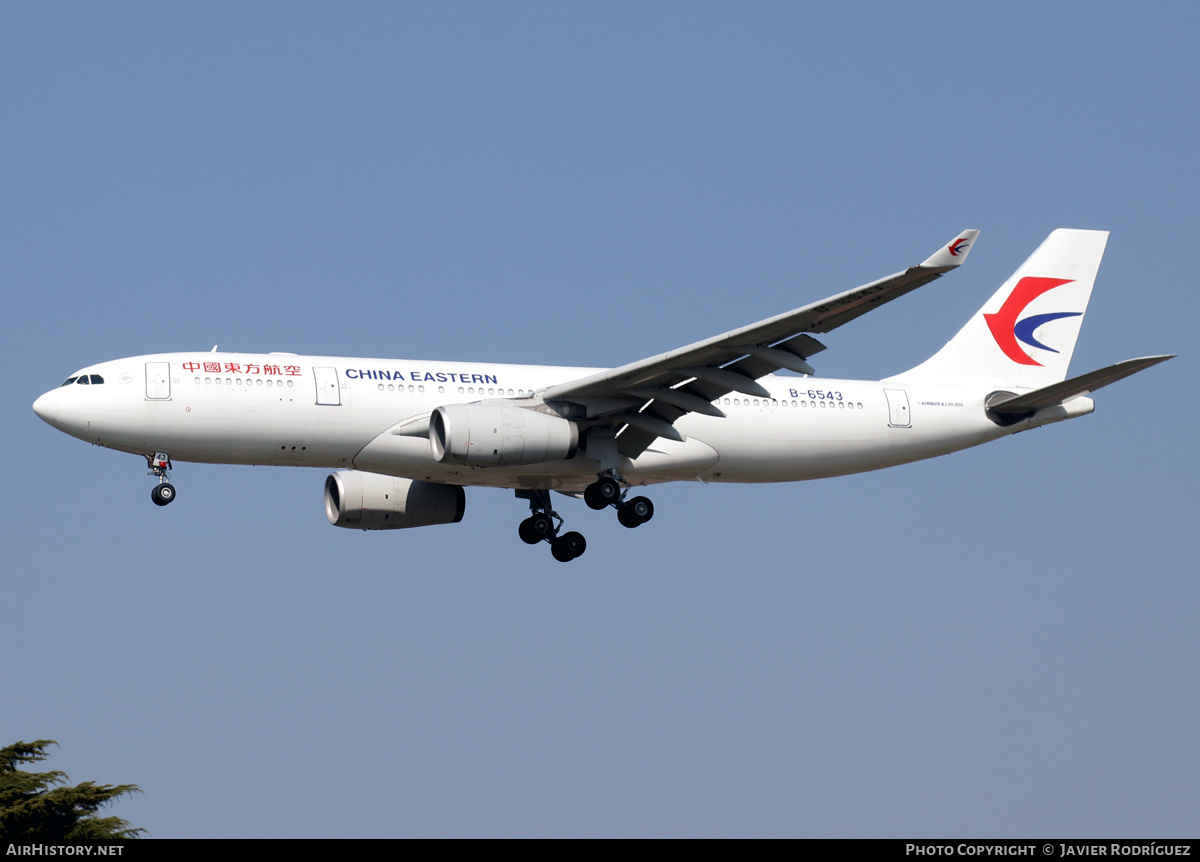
{"x":545,"y":525}
{"x":606,"y":491}
{"x":540,"y":526}
{"x":160,"y":465}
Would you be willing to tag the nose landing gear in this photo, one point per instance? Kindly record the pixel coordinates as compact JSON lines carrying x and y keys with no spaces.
{"x":160,"y":465}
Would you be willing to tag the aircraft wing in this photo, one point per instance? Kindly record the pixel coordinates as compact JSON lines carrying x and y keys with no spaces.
{"x":647,"y":396}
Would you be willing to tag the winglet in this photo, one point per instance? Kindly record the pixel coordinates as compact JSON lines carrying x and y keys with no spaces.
{"x":954,"y":254}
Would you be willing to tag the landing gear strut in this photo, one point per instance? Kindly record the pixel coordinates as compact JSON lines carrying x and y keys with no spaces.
{"x":540,"y":526}
{"x":160,"y":465}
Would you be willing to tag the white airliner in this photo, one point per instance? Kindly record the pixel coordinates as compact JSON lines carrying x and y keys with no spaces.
{"x":405,"y":436}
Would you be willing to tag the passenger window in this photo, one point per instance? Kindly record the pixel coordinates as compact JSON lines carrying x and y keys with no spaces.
{"x":67,"y":382}
{"x":96,"y":378}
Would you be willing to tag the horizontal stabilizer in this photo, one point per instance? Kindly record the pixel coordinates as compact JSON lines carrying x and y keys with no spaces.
{"x":1059,"y":393}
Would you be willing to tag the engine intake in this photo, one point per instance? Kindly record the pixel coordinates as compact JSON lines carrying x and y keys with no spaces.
{"x":492,"y":435}
{"x":369,"y":501}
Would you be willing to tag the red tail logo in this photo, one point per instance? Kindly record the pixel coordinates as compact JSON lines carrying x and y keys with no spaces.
{"x":1005,"y":328}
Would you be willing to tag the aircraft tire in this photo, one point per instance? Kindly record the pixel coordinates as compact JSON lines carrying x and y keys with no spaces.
{"x":589,"y":497}
{"x":603,"y":492}
{"x":525,"y":531}
{"x":537,"y":527}
{"x":568,"y":546}
{"x":642,"y":508}
{"x":162,"y":494}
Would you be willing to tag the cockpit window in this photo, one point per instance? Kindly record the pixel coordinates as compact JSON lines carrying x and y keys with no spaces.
{"x":96,"y":378}
{"x":67,"y":382}
{"x":82,"y":379}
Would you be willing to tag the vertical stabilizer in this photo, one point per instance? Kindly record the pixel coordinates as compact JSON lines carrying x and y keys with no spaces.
{"x":1024,"y":336}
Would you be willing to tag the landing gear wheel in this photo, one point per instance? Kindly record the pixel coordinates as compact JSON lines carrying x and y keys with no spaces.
{"x":603,"y":492}
{"x":568,"y":546}
{"x":635,"y":512}
{"x":642,"y":507}
{"x":162,"y":494}
{"x":535,"y":528}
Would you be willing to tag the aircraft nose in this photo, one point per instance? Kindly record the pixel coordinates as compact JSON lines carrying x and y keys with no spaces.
{"x":46,"y":407}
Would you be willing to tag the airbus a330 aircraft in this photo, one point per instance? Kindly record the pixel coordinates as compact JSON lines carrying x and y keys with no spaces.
{"x":405,"y":436}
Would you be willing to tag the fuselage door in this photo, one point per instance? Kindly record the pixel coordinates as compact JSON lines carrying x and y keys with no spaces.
{"x":897,"y":400}
{"x":328,"y":391}
{"x":158,"y":381}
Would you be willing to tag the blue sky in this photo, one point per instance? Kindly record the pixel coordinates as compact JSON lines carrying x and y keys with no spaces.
{"x":1000,"y":642}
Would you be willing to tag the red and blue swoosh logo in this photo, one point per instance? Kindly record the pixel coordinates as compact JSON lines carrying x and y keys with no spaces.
{"x":1007,"y":329}
{"x":959,"y":246}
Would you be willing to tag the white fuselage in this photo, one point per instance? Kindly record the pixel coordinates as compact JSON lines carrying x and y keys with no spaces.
{"x":342,"y":413}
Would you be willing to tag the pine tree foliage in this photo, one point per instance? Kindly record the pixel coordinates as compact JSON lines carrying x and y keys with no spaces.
{"x":34,"y":807}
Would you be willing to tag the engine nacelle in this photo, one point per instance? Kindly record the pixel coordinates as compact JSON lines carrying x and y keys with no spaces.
{"x":492,"y":435}
{"x":369,"y":501}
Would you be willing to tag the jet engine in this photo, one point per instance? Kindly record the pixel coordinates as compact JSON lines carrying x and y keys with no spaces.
{"x":492,"y":435}
{"x":369,"y":501}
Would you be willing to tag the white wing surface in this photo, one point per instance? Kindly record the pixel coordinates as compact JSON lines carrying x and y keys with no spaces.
{"x":646,"y":397}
